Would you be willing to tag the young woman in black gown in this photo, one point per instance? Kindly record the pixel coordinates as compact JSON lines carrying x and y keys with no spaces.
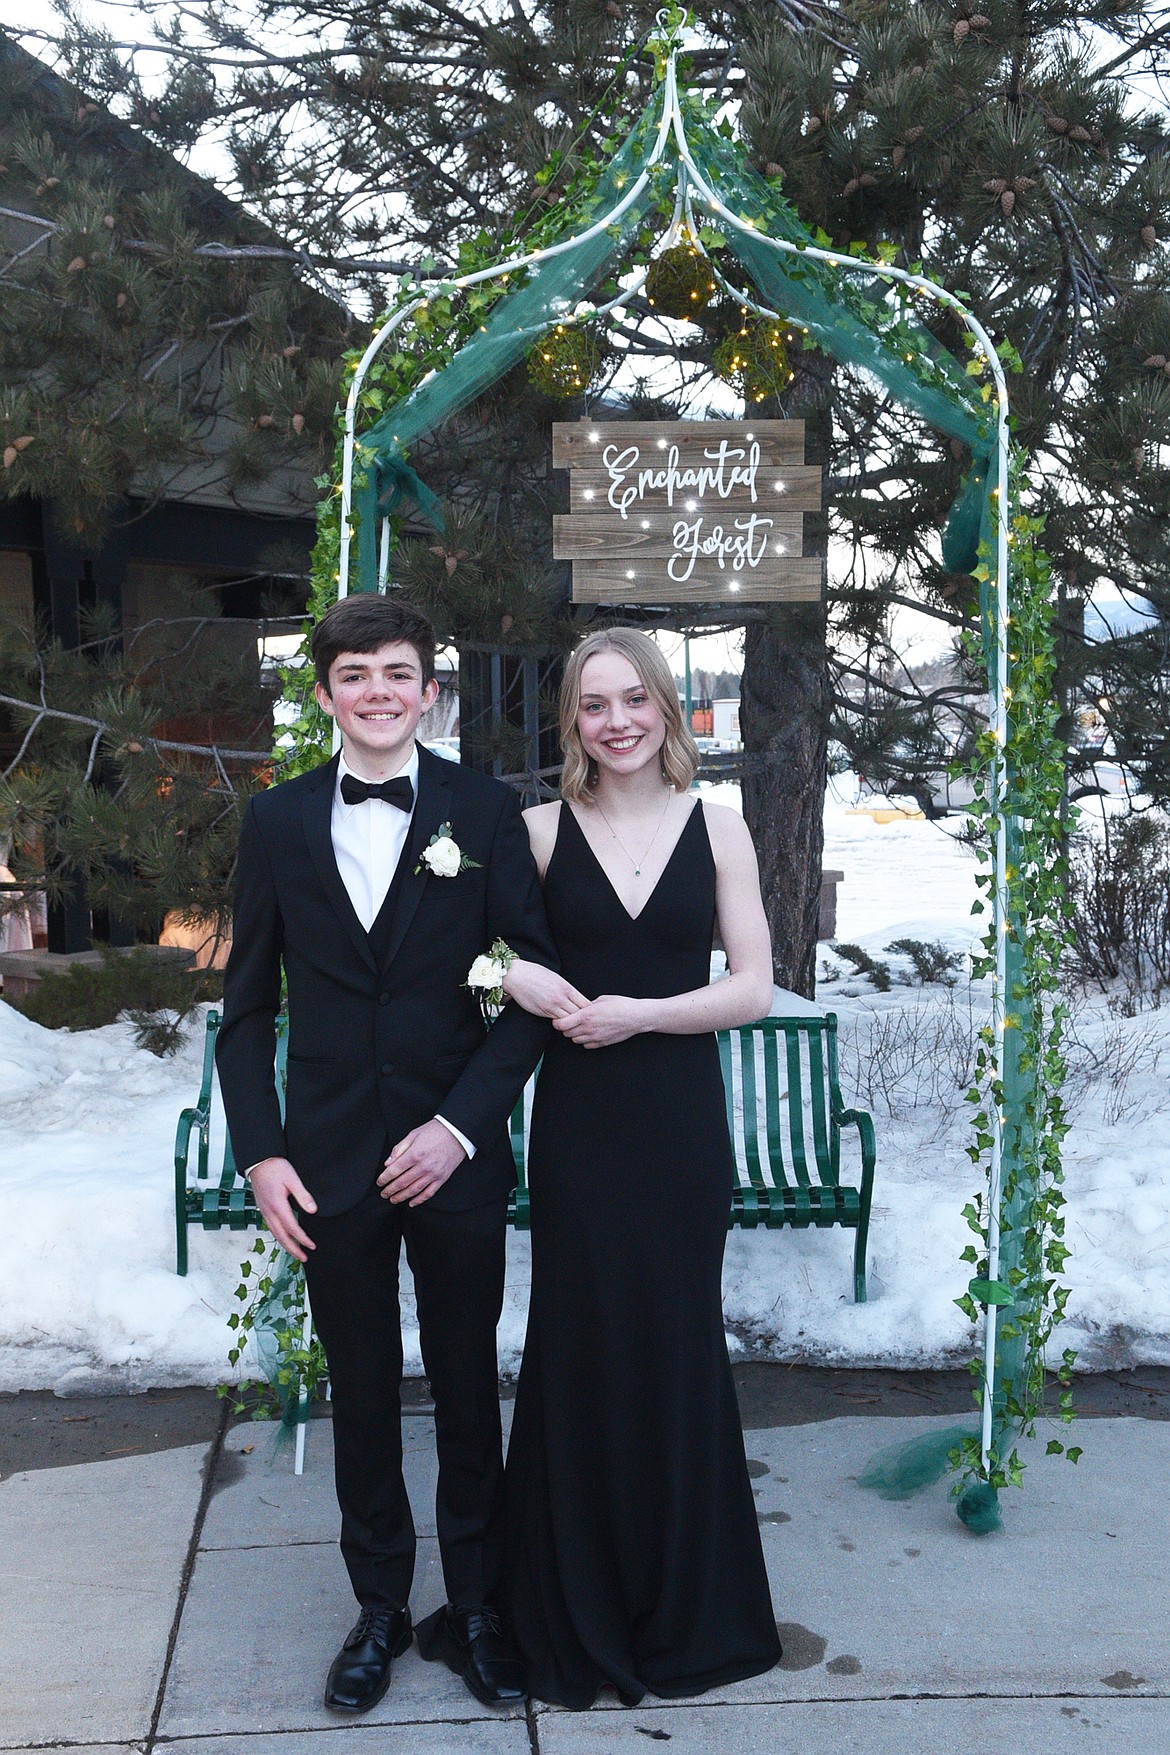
{"x":634,"y":1556}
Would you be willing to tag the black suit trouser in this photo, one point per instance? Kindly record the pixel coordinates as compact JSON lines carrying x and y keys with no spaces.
{"x":457,"y":1260}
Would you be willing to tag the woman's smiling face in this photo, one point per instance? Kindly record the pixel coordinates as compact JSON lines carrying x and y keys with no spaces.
{"x":619,"y":723}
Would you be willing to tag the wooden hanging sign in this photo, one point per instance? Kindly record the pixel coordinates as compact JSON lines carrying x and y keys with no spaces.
{"x":687,"y":511}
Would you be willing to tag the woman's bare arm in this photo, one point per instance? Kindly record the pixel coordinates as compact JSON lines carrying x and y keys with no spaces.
{"x":540,"y":990}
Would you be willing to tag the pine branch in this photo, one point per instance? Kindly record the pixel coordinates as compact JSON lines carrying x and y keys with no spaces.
{"x":101,"y":729}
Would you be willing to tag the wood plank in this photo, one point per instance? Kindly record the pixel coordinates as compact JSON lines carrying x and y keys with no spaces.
{"x":797,"y":485}
{"x":794,"y":581}
{"x":780,"y":441}
{"x":603,"y":533}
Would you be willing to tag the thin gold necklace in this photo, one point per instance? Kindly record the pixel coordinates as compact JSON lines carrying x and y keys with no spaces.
{"x":636,"y":863}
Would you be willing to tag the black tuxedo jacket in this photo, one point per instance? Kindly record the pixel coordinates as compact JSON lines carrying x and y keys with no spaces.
{"x":378,"y":1044}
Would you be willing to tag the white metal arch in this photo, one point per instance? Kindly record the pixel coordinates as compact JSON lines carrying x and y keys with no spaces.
{"x":671,"y":121}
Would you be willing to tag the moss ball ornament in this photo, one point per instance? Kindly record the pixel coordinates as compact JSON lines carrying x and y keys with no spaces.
{"x":680,"y":282}
{"x":564,"y":360}
{"x":753,"y":359}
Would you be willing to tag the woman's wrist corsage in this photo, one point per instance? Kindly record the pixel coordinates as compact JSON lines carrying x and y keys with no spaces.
{"x":485,"y":978}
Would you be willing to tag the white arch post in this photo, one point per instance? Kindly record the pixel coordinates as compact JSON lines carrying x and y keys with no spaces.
{"x":672,"y":121}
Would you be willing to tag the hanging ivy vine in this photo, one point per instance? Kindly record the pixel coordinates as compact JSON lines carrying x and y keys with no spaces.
{"x":1027,"y":1294}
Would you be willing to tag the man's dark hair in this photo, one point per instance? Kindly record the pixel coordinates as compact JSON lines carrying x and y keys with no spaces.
{"x":366,"y":621}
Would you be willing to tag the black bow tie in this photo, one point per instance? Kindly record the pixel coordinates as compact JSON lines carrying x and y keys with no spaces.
{"x":399,"y":792}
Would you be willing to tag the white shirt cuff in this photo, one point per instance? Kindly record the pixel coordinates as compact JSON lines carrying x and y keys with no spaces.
{"x":461,"y":1137}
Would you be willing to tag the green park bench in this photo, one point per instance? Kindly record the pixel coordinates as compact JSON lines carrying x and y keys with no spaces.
{"x":784,"y":1111}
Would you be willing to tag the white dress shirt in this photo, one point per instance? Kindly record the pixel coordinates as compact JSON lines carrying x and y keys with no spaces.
{"x":368,"y":839}
{"x":368,"y":842}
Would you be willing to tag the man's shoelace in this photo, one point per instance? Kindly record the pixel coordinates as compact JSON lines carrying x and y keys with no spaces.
{"x":485,"y":1621}
{"x":376,"y":1621}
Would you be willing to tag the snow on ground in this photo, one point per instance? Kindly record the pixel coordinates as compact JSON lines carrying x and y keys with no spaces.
{"x":89,"y":1297}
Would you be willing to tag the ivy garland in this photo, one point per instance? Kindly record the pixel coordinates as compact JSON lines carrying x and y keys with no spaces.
{"x":1029,"y":1298}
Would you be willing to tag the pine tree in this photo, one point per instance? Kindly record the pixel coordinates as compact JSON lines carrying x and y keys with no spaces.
{"x":995,"y":139}
{"x":150,"y":331}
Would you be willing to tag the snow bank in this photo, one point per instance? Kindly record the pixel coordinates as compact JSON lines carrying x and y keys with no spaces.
{"x":89,"y":1297}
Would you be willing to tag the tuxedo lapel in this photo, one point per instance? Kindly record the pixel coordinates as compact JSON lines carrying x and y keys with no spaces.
{"x":432,"y":809}
{"x":317,"y":818}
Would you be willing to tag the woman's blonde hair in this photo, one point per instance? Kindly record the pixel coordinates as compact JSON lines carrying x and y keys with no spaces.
{"x":679,"y":753}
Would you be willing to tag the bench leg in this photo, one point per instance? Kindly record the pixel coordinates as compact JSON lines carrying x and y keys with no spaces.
{"x":859,"y":1295}
{"x":181,"y":1227}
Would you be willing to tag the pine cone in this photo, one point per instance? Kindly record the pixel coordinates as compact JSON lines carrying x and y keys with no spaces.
{"x":1076,"y":132}
{"x":298,"y":424}
{"x":1008,"y":200}
{"x":121,"y":301}
{"x":1158,"y":362}
{"x":913,"y":134}
{"x":812,"y":125}
{"x":288,"y":353}
{"x":77,"y":264}
{"x":851,"y":187}
{"x":1058,"y":124}
{"x":996,"y":185}
{"x":1023,"y":184}
{"x":1149,"y":236}
{"x":773,"y":170}
{"x":266,"y":420}
{"x":49,"y":183}
{"x":899,"y":156}
{"x":961,"y":30}
{"x":613,"y":9}
{"x":12,"y":452}
{"x":1138,"y":458}
{"x":108,"y":221}
{"x":980,"y":22}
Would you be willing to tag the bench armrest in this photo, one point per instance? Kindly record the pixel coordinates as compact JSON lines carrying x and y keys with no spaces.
{"x":190,"y":1118}
{"x":863,"y":1122}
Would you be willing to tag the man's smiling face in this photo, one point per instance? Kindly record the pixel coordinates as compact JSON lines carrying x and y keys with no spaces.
{"x":377,"y":699}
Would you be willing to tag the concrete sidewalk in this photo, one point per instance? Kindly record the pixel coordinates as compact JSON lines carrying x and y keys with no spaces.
{"x":194,"y":1597}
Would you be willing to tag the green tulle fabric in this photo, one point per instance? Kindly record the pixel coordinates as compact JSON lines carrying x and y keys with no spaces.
{"x":858,"y":322}
{"x":902,"y":1470}
{"x":549,"y":293}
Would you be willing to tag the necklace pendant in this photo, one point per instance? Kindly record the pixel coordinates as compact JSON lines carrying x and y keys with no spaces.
{"x":637,"y":871}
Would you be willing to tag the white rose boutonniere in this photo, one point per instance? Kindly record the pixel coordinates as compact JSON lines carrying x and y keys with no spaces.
{"x":486,"y":976}
{"x":443,"y":855}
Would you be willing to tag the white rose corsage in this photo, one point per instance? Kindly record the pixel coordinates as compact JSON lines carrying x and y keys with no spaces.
{"x":443,"y":856}
{"x":485,"y":978}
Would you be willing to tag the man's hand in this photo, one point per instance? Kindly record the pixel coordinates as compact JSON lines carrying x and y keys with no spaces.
{"x":276,"y":1185}
{"x":420,"y":1164}
{"x":611,"y":1018}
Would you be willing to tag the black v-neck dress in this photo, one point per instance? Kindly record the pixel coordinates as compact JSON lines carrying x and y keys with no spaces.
{"x":634,"y":1555}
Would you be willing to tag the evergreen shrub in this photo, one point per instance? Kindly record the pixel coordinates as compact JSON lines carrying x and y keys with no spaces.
{"x":157,"y":994}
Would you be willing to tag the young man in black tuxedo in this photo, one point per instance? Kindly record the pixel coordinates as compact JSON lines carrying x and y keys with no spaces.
{"x":396,"y":1116}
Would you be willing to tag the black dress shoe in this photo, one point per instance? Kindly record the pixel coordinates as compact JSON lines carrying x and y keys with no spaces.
{"x":473,"y":1643}
{"x":360,"y":1673}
